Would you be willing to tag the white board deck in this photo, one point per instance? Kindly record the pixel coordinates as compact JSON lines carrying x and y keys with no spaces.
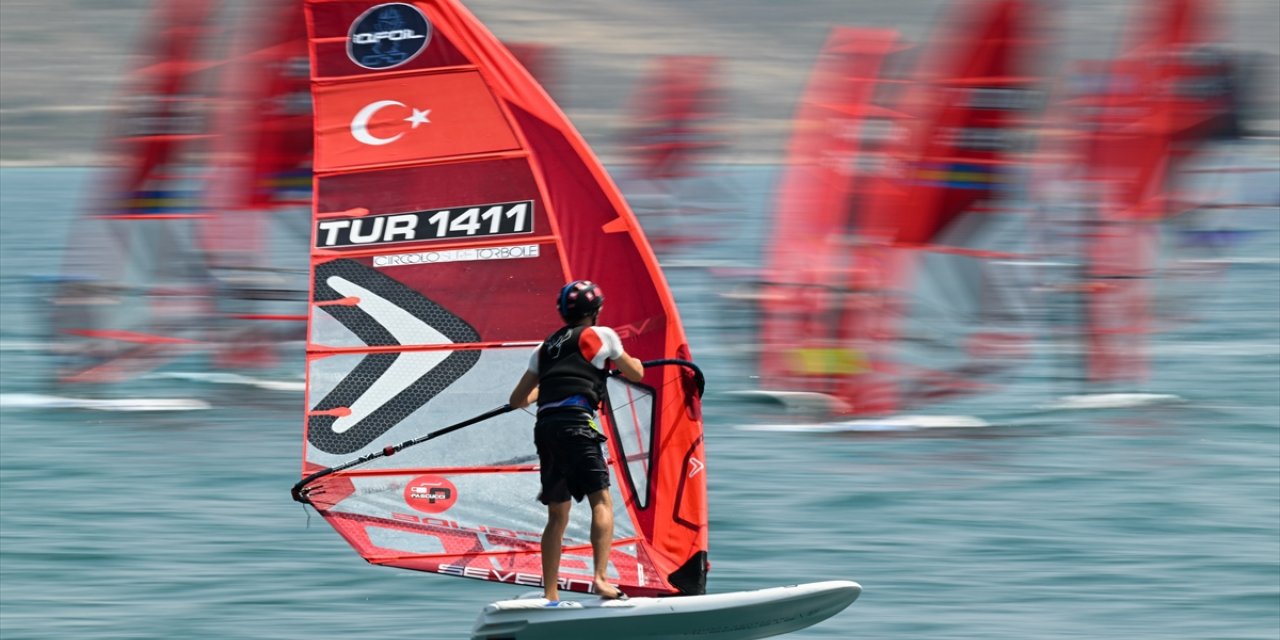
{"x":1112,"y":401}
{"x":41,"y":401}
{"x":809,"y":401}
{"x":739,"y":615}
{"x":870,"y":425}
{"x":218,"y":377}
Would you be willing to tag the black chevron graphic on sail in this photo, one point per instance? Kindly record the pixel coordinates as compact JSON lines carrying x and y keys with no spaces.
{"x":436,"y":377}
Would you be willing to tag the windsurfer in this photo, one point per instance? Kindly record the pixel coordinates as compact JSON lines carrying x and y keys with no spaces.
{"x":566,"y":378}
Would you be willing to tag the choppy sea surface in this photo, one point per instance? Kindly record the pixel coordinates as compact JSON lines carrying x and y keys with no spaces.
{"x":1148,"y":522}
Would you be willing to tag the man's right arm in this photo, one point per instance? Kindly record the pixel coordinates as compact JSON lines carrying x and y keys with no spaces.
{"x":526,"y":391}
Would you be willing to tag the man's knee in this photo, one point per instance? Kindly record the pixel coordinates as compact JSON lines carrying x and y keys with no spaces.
{"x":558,"y":514}
{"x":599,"y":498}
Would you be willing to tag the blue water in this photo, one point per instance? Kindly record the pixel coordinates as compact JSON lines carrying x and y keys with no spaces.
{"x":1131,"y":523}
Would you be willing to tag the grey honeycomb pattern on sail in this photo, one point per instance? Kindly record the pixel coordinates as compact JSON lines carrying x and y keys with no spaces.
{"x":434,"y":374}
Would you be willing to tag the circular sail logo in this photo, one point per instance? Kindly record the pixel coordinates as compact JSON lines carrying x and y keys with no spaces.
{"x":388,"y":35}
{"x":430,"y":494}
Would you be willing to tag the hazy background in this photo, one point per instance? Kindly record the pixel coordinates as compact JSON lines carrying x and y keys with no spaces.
{"x":61,"y":61}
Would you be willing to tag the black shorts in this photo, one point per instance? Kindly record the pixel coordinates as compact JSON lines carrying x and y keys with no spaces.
{"x":570,"y":456}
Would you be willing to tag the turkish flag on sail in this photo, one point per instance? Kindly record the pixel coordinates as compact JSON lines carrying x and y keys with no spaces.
{"x":369,"y":123}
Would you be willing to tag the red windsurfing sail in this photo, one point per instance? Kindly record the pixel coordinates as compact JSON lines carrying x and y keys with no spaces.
{"x":168,"y":104}
{"x":672,"y":130}
{"x":924,"y":241}
{"x":134,"y":289}
{"x":453,"y":198}
{"x":838,"y":146}
{"x":914,"y":231}
{"x":266,"y":118}
{"x":675,"y":112}
{"x":1165,"y":95}
{"x":260,"y":190}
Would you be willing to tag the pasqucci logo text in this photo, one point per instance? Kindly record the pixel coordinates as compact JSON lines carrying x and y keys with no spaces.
{"x":388,"y":35}
{"x":508,"y":218}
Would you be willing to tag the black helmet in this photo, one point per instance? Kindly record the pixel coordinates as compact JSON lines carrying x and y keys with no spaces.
{"x":579,"y":299}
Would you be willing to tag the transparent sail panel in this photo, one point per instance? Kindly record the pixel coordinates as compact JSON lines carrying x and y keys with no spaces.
{"x":631,"y":411}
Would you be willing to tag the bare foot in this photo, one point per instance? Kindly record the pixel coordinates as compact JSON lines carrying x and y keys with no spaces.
{"x":608,"y":591}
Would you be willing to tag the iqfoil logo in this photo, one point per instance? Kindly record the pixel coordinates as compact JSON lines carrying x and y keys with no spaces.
{"x":388,"y":35}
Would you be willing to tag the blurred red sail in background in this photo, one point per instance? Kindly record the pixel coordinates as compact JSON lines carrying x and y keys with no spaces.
{"x":134,"y":289}
{"x":1165,"y":96}
{"x":864,"y":323}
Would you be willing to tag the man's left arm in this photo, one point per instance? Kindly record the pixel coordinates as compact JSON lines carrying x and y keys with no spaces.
{"x":630,"y":366}
{"x":611,"y":348}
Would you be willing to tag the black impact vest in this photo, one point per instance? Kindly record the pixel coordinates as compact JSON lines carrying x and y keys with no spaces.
{"x":563,"y":371}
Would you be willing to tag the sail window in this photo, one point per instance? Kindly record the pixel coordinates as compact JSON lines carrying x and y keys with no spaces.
{"x":631,"y":413}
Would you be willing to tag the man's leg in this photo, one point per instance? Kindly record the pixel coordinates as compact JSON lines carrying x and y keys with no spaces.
{"x":602,"y":540}
{"x":552,"y":538}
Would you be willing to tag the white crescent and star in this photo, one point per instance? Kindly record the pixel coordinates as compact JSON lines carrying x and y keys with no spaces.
{"x":360,"y":123}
